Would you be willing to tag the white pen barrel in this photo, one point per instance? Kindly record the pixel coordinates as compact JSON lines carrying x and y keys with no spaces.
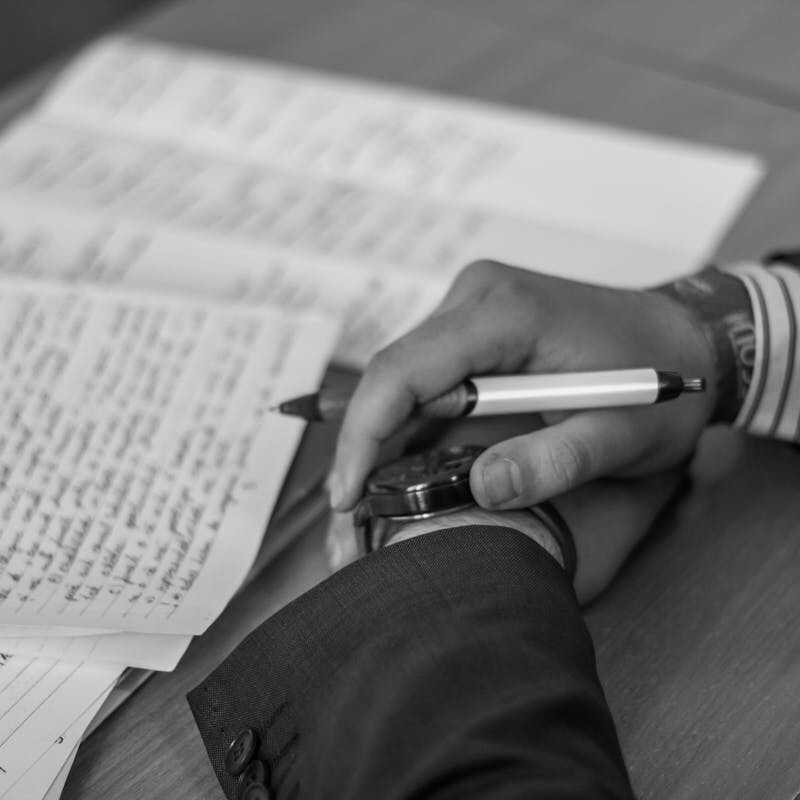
{"x":521,"y":394}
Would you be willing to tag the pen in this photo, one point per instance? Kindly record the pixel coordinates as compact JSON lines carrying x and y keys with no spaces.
{"x":521,"y":394}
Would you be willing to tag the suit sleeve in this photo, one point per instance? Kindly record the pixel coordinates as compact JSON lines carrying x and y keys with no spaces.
{"x":452,"y":665}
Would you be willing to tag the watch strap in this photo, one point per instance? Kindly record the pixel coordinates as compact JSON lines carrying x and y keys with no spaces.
{"x":551,"y":518}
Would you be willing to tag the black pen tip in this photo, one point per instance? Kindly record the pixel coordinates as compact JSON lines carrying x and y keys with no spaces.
{"x":306,"y":407}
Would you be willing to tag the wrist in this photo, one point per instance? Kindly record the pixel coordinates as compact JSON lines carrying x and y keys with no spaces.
{"x":720,"y":306}
{"x":520,"y":520}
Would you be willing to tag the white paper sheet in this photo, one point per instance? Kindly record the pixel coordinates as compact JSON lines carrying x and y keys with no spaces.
{"x":37,"y":631}
{"x":331,"y":223}
{"x":39,"y":239}
{"x":122,"y":690}
{"x":49,"y":772}
{"x":139,"y":464}
{"x":143,"y":650}
{"x":41,"y":700}
{"x":575,"y":176}
{"x":60,"y":781}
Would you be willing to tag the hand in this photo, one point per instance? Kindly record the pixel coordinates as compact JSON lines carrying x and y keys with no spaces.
{"x":497,"y":318}
{"x":607,"y":518}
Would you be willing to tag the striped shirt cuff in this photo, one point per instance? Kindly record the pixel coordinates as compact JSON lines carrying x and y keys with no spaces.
{"x":772,"y":404}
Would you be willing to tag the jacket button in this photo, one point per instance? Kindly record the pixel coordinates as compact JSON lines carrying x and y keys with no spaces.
{"x":256,"y":791}
{"x":240,"y":752}
{"x":255,"y":772}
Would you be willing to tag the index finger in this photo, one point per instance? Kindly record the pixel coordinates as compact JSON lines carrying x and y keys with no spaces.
{"x":419,"y":366}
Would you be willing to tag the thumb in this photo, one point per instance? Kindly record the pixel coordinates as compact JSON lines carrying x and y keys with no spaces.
{"x":528,"y":469}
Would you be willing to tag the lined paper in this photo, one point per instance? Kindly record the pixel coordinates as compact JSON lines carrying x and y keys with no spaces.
{"x":138,"y":462}
{"x":151,"y":651}
{"x":39,"y":239}
{"x":577,"y":176}
{"x":40,"y":699}
{"x":48,"y":772}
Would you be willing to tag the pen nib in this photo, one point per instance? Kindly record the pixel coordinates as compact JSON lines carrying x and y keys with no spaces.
{"x":694,"y":384}
{"x":305,"y":407}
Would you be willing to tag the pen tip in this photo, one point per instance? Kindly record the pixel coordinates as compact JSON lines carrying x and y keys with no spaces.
{"x":694,"y":384}
{"x":305,"y":407}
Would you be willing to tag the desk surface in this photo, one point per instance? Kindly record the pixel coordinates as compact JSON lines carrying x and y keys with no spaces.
{"x":698,"y":644}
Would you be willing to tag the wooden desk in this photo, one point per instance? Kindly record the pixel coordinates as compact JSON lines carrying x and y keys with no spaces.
{"x":698,"y":642}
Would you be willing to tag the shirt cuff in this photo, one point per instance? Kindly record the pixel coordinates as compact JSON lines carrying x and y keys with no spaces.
{"x":772,"y":404}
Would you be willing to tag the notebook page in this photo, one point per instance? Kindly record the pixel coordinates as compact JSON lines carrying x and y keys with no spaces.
{"x":55,"y":760}
{"x":123,"y":689}
{"x":60,"y":781}
{"x":578,"y":176}
{"x":43,"y":240}
{"x":155,"y":651}
{"x":139,"y":464}
{"x":332,"y":221}
{"x":23,"y":631}
{"x":41,"y":699}
{"x":192,"y":190}
{"x":150,"y":651}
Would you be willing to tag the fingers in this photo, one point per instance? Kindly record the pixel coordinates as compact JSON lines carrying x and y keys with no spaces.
{"x":608,"y":518}
{"x":527,"y":469}
{"x":421,"y":365}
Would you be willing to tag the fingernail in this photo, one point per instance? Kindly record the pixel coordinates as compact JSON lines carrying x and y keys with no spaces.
{"x":334,"y":490}
{"x":502,"y":481}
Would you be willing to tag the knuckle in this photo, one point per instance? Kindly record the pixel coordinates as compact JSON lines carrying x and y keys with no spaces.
{"x":506,"y":291}
{"x":511,"y":285}
{"x":479,"y":272}
{"x":389,"y":371}
{"x":380,"y":361}
{"x":499,"y":287}
{"x":387,"y":361}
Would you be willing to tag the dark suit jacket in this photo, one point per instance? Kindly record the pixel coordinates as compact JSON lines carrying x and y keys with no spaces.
{"x":452,"y":665}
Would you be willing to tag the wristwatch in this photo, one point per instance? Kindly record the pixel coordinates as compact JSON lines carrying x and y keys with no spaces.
{"x":429,"y":484}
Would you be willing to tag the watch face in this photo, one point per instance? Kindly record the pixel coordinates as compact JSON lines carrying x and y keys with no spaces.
{"x":415,"y":487}
{"x":420,"y":471}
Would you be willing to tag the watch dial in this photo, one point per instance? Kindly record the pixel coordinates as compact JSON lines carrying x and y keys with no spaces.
{"x":433,"y":467}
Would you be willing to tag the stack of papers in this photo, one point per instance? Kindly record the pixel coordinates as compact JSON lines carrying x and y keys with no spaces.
{"x":139,"y":468}
{"x":186,"y":239}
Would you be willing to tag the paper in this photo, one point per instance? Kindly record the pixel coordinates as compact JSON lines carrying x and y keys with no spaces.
{"x":129,"y":683}
{"x":303,"y":214}
{"x":60,"y":781}
{"x":575,"y":177}
{"x":36,"y":631}
{"x":122,"y":690}
{"x":150,"y":651}
{"x":366,"y":234}
{"x":38,"y":239}
{"x":41,"y":700}
{"x":138,"y":462}
{"x":49,"y":772}
{"x":57,"y":786}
